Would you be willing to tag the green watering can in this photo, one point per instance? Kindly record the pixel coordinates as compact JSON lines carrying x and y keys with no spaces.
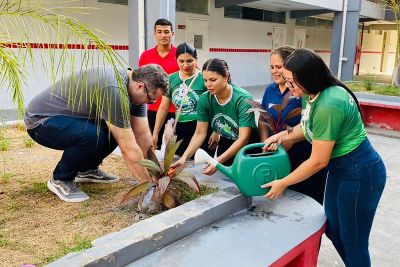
{"x":250,"y":171}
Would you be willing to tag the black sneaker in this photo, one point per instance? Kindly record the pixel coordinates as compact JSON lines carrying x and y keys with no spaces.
{"x":95,"y":176}
{"x":67,"y":191}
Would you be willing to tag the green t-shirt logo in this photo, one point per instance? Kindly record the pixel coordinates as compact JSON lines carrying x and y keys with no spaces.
{"x":226,"y":126}
{"x":188,"y":102}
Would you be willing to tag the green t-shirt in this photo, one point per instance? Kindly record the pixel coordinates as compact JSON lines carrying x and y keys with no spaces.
{"x":227,"y":118}
{"x":177,"y":91}
{"x":333,"y":115}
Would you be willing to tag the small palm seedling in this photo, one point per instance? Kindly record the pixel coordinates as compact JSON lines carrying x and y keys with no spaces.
{"x":161,"y":190}
{"x":278,"y":123}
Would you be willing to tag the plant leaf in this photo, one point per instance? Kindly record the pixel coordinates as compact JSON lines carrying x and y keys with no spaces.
{"x":168,"y":199}
{"x":170,"y":150}
{"x":137,"y":190}
{"x":163,"y":184}
{"x":189,"y":179}
{"x":293,"y":113}
{"x":152,"y":167}
{"x":151,"y":156}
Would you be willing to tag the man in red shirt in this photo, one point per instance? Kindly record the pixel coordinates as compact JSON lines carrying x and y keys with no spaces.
{"x":163,"y":54}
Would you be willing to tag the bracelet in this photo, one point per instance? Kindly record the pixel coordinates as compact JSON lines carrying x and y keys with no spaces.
{"x":289,"y":129}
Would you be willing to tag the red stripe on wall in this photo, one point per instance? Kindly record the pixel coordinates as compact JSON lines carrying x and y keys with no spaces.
{"x":240,"y":50}
{"x":59,"y":46}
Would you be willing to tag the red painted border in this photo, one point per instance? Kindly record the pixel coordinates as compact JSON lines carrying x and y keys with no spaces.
{"x":240,"y":50}
{"x":59,"y":46}
{"x":126,"y":47}
{"x":381,"y":115}
{"x":304,"y":254}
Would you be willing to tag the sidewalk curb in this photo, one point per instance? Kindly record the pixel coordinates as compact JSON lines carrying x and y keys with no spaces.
{"x":147,"y":236}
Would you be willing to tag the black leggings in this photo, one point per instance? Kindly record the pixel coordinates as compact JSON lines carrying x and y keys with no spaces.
{"x":185,"y":132}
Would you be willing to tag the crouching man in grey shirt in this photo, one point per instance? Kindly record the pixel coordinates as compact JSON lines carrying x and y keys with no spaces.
{"x":77,"y":115}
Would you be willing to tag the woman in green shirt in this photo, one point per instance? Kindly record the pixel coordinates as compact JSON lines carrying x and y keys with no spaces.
{"x":332,"y":122}
{"x":185,"y":88}
{"x":224,"y":108}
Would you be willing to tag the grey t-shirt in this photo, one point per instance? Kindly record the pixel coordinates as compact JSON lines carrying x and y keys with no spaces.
{"x":83,"y":95}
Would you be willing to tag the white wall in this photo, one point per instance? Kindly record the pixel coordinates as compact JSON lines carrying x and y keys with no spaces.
{"x":247,"y":68}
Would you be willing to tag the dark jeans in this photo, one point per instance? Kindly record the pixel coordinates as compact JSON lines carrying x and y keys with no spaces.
{"x":85,"y":144}
{"x":354,"y":187}
{"x":151,"y":116}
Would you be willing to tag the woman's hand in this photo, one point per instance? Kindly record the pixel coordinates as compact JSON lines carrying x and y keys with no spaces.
{"x":277,"y":188}
{"x":208,"y":169}
{"x":213,"y":141}
{"x":271,"y":143}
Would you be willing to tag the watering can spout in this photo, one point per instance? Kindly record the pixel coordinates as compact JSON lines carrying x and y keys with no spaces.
{"x":202,"y":157}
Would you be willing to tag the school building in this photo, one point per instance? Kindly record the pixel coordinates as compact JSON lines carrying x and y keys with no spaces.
{"x":352,"y":36}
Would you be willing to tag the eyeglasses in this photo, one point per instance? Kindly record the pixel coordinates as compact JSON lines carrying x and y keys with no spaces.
{"x":150,"y":100}
{"x":291,"y":84}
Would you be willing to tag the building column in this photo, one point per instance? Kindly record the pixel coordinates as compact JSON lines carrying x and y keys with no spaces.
{"x":142,"y":16}
{"x":350,"y":40}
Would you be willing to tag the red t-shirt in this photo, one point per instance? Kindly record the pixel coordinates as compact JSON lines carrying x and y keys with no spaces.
{"x":168,"y":63}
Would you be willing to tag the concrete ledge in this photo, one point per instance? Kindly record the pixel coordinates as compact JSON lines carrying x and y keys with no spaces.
{"x":147,"y":236}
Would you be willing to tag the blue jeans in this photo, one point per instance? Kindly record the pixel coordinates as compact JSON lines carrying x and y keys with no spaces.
{"x":85,"y":144}
{"x":354,"y":186}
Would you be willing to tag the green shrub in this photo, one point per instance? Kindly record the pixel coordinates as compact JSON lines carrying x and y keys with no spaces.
{"x":369,"y":82}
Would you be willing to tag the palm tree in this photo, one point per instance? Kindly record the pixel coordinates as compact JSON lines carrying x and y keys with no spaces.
{"x":27,"y":21}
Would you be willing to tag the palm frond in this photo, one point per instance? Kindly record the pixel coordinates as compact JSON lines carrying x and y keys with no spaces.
{"x":26,"y":22}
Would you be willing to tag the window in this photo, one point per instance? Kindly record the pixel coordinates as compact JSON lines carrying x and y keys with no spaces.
{"x":240,"y":12}
{"x":314,"y":22}
{"x":118,"y":2}
{"x":192,"y":6}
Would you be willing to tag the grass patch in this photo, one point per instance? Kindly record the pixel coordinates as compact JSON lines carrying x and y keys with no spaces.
{"x":13,"y":205}
{"x":4,"y":144}
{"x":80,"y":243}
{"x":5,"y":177}
{"x":28,"y":141}
{"x":37,"y":188}
{"x":188,"y":194}
{"x":5,"y":243}
{"x":19,"y":126}
{"x":379,"y":89}
{"x":83,"y":211}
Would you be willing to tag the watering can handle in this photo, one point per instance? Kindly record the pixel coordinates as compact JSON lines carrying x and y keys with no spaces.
{"x":256,"y":145}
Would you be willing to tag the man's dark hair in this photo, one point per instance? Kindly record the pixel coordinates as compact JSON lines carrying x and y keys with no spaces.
{"x":163,"y":22}
{"x":153,"y":76}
